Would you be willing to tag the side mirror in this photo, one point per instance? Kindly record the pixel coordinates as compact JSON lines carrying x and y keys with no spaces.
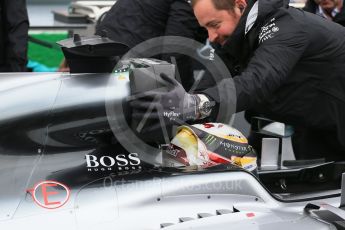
{"x":276,"y":145}
{"x":269,"y":127}
{"x":93,"y":54}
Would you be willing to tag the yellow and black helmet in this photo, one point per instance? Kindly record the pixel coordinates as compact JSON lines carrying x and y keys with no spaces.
{"x":210,"y":144}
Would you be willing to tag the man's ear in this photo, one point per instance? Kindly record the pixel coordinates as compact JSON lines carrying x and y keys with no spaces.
{"x":241,"y":4}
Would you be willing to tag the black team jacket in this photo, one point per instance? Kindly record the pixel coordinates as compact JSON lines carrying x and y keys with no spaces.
{"x":14,"y":26}
{"x":288,"y":65}
{"x":134,"y":21}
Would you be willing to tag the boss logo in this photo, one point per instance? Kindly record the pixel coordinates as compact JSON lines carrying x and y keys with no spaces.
{"x":107,"y":163}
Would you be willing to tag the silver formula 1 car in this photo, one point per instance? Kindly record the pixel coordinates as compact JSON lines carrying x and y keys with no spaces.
{"x":69,"y":159}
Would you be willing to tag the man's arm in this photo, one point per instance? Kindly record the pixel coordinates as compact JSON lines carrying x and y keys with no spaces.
{"x":278,"y":53}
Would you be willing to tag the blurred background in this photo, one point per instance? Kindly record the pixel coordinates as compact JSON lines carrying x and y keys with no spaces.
{"x":54,"y":20}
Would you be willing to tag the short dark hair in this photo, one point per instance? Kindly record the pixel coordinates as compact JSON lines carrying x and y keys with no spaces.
{"x":220,"y":4}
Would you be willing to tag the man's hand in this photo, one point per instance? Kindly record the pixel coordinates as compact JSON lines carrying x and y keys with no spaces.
{"x":169,"y":105}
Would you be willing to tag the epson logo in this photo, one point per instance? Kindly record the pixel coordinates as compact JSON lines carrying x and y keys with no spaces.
{"x":108,"y":163}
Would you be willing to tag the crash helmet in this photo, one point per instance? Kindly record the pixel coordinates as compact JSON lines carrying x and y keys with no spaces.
{"x":209,"y":144}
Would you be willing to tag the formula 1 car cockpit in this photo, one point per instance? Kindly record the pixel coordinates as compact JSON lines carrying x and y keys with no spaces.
{"x":70,"y":149}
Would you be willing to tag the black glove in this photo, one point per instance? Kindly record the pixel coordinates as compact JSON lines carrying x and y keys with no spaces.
{"x":168,"y":105}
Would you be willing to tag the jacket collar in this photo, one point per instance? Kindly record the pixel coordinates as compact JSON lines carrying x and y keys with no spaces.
{"x":255,"y":14}
{"x":233,"y":45}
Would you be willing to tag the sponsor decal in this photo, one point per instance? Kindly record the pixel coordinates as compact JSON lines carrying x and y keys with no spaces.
{"x":50,"y":194}
{"x":208,"y":125}
{"x":210,"y":139}
{"x":171,"y":115}
{"x":171,"y":151}
{"x":275,"y":29}
{"x":268,"y":31}
{"x":249,"y":215}
{"x":174,"y":156}
{"x":230,"y":146}
{"x":120,"y":162}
